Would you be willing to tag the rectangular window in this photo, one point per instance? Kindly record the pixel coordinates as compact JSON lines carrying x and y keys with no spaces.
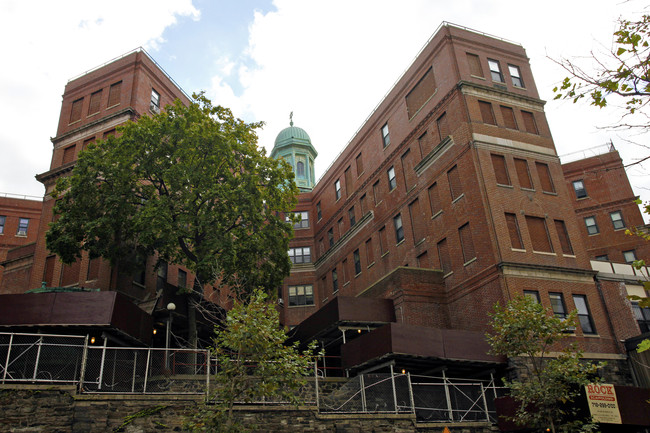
{"x":330,"y":237}
{"x":392,"y":183}
{"x":539,"y":234}
{"x":70,"y":273}
{"x":182,"y":279}
{"x":466,"y":243}
{"x":545,"y":177}
{"x":351,"y":216}
{"x":23,"y":226}
{"x":443,"y":255}
{"x":523,"y":173}
{"x":455,"y":186}
{"x":423,"y":260}
{"x":301,"y":295}
{"x":321,"y":246}
{"x":563,"y":234}
{"x":319,"y":214}
{"x":114,"y":94}
{"x":109,"y":133}
{"x":376,"y":193}
{"x":408,"y":163}
{"x":363,"y":204}
{"x":344,"y":271}
{"x":359,"y":162}
{"x":339,"y":225}
{"x":532,"y":294}
{"x":495,"y":71}
{"x":75,"y":112}
{"x":579,"y":188}
{"x":487,"y":115}
{"x":48,"y":273}
{"x":3,"y":219}
{"x":584,"y":316}
{"x":629,"y":256}
{"x":93,"y":268}
{"x":348,"y":181}
{"x":434,"y":199}
{"x":474,"y":65}
{"x":421,"y":93}
{"x":383,"y":241}
{"x":642,"y":316}
{"x":513,"y":230}
{"x":385,"y":135}
{"x":300,"y":255}
{"x":417,"y":220}
{"x":617,"y":220}
{"x":357,"y":262}
{"x":337,"y":189}
{"x":68,"y":154}
{"x":529,"y":122}
{"x":303,"y":223}
{"x":399,"y":228}
{"x":95,"y":102}
{"x":335,"y":281}
{"x":508,"y":115}
{"x":557,"y":304}
{"x":592,"y":226}
{"x":423,"y":144}
{"x":515,"y":75}
{"x":500,"y":169}
{"x":443,"y":126}
{"x":87,"y":142}
{"x":154,"y":105}
{"x":370,"y":253}
{"x":602,"y":258}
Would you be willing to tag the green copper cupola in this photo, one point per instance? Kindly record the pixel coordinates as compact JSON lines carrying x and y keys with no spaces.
{"x":294,"y":146}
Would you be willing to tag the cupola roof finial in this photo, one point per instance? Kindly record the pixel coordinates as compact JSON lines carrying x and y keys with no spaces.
{"x":291,"y":119}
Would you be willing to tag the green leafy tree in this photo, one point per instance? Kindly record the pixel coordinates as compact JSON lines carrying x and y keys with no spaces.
{"x":253,"y":364}
{"x":549,"y":385}
{"x":189,"y":185}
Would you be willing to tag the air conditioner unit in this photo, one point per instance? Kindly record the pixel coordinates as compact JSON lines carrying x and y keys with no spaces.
{"x":154,"y":108}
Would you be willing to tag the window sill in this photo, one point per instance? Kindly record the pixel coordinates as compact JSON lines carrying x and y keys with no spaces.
{"x":582,"y":198}
{"x":347,"y":283}
{"x":418,"y":243}
{"x":502,"y":185}
{"x":411,"y":188}
{"x":458,"y":198}
{"x":76,"y":121}
{"x":21,"y":236}
{"x":571,"y":256}
{"x":550,"y":192}
{"x":470,"y":261}
{"x":517,"y":250}
{"x":590,"y":335}
{"x":326,"y":299}
{"x":370,"y":265}
{"x":378,"y":203}
{"x":518,"y":87}
{"x":436,"y":215}
{"x":545,"y":253}
{"x":385,"y":254}
{"x":360,"y":174}
{"x":478,"y":77}
{"x":593,"y":234}
{"x":112,"y":106}
{"x":136,"y":284}
{"x":301,"y":306}
{"x":528,"y":189}
{"x":400,"y":242}
{"x":357,"y":275}
{"x":447,"y":274}
{"x":618,"y":230}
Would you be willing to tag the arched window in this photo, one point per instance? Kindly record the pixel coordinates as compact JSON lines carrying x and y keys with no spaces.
{"x":300,"y":169}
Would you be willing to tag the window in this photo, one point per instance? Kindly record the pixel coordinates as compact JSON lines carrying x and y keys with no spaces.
{"x":385,"y":136}
{"x":75,"y":112}
{"x":68,"y":154}
{"x":408,"y":162}
{"x":529,"y":122}
{"x":513,"y":230}
{"x":330,"y":237}
{"x":545,"y":177}
{"x":642,"y":317}
{"x":399,"y":229}
{"x":337,"y":189}
{"x":300,"y":169}
{"x":434,"y":199}
{"x":495,"y":71}
{"x":303,"y":223}
{"x":443,"y":127}
{"x":348,"y":181}
{"x":23,"y":225}
{"x":344,"y":272}
{"x":523,"y":173}
{"x":370,"y":253}
{"x":87,"y":142}
{"x":466,"y":243}
{"x":562,"y":233}
{"x":376,"y":193}
{"x":363,"y":205}
{"x":392,"y":183}
{"x":487,"y":115}
{"x":357,"y":262}
{"x":617,"y":220}
{"x":70,"y":273}
{"x":417,"y":220}
{"x":421,"y":93}
{"x":3,"y":219}
{"x":474,"y":65}
{"x":455,"y":186}
{"x":515,"y":75}
{"x":182,"y":279}
{"x":539,"y":234}
{"x":629,"y":256}
{"x":154,"y":105}
{"x":114,"y":94}
{"x":579,"y":188}
{"x":300,"y":255}
{"x":319,"y":214}
{"x":48,"y":273}
{"x":95,"y":102}
{"x":443,"y":255}
{"x":508,"y":115}
{"x":321,"y":246}
{"x":423,"y":260}
{"x":383,"y":241}
{"x":592,"y":227}
{"x":500,"y":169}
{"x":584,"y":317}
{"x":109,"y":133}
{"x":557,"y":304}
{"x":532,"y":294}
{"x":335,"y":281}
{"x":359,"y":162}
{"x":93,"y":269}
{"x":602,"y":258}
{"x":351,"y":216}
{"x":423,"y":143}
{"x":301,"y":295}
{"x":339,"y":224}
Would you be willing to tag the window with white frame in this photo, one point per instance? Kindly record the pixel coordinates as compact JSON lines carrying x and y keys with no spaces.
{"x":2,"y":224}
{"x":617,"y":220}
{"x":304,"y":220}
{"x":301,"y":295}
{"x":300,"y":255}
{"x":154,"y":105}
{"x":558,"y":305}
{"x":399,"y":228}
{"x":337,"y":189}
{"x":629,"y":256}
{"x":592,"y":227}
{"x":385,"y":135}
{"x":23,"y":225}
{"x":357,"y":262}
{"x":515,"y":75}
{"x":579,"y":188}
{"x":642,"y":316}
{"x":392,"y":183}
{"x":495,"y":71}
{"x":584,"y":316}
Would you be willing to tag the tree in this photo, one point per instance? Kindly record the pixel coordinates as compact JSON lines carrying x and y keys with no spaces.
{"x":523,"y":328}
{"x":189,"y":185}
{"x":253,"y":365}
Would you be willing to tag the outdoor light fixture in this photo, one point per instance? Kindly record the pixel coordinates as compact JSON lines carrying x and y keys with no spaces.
{"x":155,"y":331}
{"x":92,"y":340}
{"x":359,"y":331}
{"x":403,"y":371}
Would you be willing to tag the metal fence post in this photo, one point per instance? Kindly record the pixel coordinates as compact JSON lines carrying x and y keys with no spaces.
{"x":101,"y":365}
{"x":363,"y":393}
{"x":487,"y":413}
{"x":146,"y":371}
{"x":392,"y":379}
{"x":38,"y":357}
{"x":4,"y":375}
{"x":207,"y":375}
{"x":135,"y":366}
{"x":84,"y":360}
{"x":448,"y":396}
{"x":316,"y":383}
{"x":408,"y":377}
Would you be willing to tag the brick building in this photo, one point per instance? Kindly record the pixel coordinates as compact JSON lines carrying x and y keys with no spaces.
{"x":450,"y":198}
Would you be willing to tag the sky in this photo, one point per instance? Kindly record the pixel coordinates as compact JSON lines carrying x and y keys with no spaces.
{"x":330,"y":62}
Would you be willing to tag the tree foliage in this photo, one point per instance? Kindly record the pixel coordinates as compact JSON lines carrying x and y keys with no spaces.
{"x":188,"y":184}
{"x":524,"y":329}
{"x":623,"y":73}
{"x":253,"y":364}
